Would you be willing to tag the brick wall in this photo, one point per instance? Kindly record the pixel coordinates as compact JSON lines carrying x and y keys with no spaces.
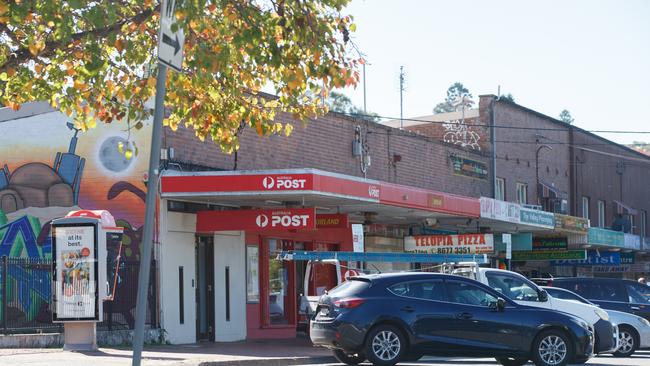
{"x":609,"y":172}
{"x":516,"y":147}
{"x":326,"y":143}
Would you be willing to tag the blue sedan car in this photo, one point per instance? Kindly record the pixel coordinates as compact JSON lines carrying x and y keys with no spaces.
{"x":388,"y":318}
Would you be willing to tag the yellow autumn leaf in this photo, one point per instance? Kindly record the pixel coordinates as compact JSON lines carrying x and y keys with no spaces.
{"x":288,"y":128}
{"x":128,"y":154}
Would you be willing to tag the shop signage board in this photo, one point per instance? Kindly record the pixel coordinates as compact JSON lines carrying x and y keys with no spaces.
{"x":357,"y":238}
{"x":468,"y":167}
{"x":632,"y":241}
{"x":594,"y":258}
{"x":546,"y":256}
{"x":571,"y":224}
{"x":450,"y":244}
{"x":539,"y":218}
{"x":332,"y":221}
{"x":550,"y":244}
{"x":610,"y":238}
{"x":279,"y":219}
{"x":627,"y":258}
{"x":639,"y":267}
{"x":500,"y":210}
{"x":520,"y":242}
{"x":76,"y":296}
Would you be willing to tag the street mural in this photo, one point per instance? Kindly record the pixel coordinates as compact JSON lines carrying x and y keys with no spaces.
{"x":49,"y":167}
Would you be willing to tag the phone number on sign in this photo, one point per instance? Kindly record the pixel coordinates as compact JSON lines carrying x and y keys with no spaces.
{"x":462,"y":250}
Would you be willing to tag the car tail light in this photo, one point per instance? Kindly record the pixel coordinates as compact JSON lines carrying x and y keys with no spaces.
{"x":348,"y":303}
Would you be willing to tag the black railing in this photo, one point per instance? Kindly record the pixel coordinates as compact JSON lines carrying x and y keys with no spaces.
{"x":25,"y":297}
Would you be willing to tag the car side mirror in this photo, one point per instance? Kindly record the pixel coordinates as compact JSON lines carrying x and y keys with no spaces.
{"x":543,"y":295}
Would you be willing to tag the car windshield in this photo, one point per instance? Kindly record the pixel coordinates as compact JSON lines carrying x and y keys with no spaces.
{"x":565,"y":295}
{"x":639,"y":294}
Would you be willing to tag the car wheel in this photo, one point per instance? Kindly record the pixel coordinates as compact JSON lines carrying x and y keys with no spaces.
{"x":552,"y":348}
{"x":349,"y":359}
{"x":628,"y":342}
{"x":511,"y":361}
{"x":385,"y":345}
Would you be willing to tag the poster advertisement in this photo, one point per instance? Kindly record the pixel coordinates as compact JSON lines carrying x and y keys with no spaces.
{"x":252,"y":274}
{"x":75,"y":273}
{"x":450,"y":244}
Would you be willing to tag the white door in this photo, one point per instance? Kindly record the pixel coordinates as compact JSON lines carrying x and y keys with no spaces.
{"x":230,"y":286}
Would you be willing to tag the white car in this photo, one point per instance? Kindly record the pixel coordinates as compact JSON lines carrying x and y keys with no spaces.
{"x":525,"y":292}
{"x":633,"y":330}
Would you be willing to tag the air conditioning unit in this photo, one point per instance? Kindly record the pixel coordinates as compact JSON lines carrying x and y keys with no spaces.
{"x":559,"y":205}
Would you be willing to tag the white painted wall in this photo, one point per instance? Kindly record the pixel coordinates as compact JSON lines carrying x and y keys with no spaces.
{"x":229,"y":250}
{"x":177,"y":239}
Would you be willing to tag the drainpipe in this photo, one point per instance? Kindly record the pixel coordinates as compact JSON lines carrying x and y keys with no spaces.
{"x":494,"y":147}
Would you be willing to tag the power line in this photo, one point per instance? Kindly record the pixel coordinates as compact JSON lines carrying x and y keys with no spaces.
{"x":360,"y":115}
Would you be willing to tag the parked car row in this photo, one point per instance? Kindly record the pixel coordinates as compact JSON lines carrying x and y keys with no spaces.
{"x":387,"y":318}
{"x":468,"y":310}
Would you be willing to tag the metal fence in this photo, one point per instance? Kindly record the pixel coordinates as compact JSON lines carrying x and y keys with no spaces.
{"x":25,"y":297}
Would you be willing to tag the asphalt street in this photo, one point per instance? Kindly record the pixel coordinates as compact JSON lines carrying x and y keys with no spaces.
{"x":640,"y":358}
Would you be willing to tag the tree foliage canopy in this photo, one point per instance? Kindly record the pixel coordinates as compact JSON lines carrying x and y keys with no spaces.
{"x":341,"y":103}
{"x":565,"y":116}
{"x":456,"y":91}
{"x":95,"y":60}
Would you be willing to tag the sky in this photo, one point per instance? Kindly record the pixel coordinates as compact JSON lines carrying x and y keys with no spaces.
{"x":590,"y":57}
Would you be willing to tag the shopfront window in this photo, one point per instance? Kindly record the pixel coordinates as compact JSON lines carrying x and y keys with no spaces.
{"x":279,"y":283}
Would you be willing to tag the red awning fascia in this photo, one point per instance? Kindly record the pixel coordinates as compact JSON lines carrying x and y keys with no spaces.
{"x":312,"y":181}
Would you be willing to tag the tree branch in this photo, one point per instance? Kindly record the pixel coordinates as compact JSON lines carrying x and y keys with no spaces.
{"x":23,"y":54}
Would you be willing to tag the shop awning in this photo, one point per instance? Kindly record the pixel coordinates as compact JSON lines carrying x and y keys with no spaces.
{"x":383,"y":257}
{"x":623,"y":209}
{"x":363,"y":199}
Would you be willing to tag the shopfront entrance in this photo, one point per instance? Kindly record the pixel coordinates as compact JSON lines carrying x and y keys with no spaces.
{"x":204,"y":288}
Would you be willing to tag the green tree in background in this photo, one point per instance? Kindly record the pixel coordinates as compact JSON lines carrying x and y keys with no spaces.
{"x":341,"y":103}
{"x":565,"y":116}
{"x":456,"y":91}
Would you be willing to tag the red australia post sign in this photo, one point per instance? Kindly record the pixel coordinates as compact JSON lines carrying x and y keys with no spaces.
{"x":450,"y":244}
{"x":290,"y":218}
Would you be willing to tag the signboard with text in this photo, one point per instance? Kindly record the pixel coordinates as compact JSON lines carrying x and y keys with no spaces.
{"x":468,"y":167}
{"x":571,"y":224}
{"x":450,"y":244}
{"x":171,"y":37}
{"x":610,"y":238}
{"x":332,"y":221}
{"x":500,"y":210}
{"x":537,"y":218}
{"x":546,"y":256}
{"x":75,"y":267}
{"x":278,"y":219}
{"x":550,"y":244}
{"x":594,"y":258}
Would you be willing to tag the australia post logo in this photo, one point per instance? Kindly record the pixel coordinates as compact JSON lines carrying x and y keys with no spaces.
{"x":284,"y":182}
{"x":289,"y":219}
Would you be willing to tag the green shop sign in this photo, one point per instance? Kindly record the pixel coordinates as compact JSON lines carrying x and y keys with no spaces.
{"x":611,"y":238}
{"x":537,"y":218}
{"x":550,"y":244}
{"x":549,"y":256}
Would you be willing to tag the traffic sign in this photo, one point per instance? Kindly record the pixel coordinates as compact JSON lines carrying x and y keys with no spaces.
{"x":170,"y":43}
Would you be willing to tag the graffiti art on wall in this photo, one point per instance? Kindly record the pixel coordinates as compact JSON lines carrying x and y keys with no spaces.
{"x":458,"y":132}
{"x":48,"y":167}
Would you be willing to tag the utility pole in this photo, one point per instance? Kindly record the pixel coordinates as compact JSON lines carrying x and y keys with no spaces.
{"x":401,"y":98}
{"x":170,"y":53}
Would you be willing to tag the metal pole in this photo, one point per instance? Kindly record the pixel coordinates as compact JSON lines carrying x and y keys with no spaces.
{"x":401,"y":90}
{"x":152,"y":192}
{"x":4,"y":293}
{"x":494,"y":148}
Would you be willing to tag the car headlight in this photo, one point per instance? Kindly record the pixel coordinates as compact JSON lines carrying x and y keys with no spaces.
{"x":644,"y":321}
{"x":602,"y":314}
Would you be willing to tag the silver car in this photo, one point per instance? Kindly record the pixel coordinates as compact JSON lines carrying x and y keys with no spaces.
{"x":633,"y":331}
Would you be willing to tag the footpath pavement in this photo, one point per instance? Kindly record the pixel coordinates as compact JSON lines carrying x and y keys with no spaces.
{"x":298,"y":351}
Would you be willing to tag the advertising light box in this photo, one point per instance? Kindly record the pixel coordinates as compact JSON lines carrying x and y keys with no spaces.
{"x":75,"y":272}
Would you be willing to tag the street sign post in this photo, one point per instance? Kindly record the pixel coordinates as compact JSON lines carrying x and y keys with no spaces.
{"x":170,"y":38}
{"x":170,"y":53}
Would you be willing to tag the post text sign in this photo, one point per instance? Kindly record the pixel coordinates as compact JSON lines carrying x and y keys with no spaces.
{"x":75,"y":295}
{"x":450,"y":244}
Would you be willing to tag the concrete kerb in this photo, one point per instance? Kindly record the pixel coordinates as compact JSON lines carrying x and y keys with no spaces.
{"x":272,"y":361}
